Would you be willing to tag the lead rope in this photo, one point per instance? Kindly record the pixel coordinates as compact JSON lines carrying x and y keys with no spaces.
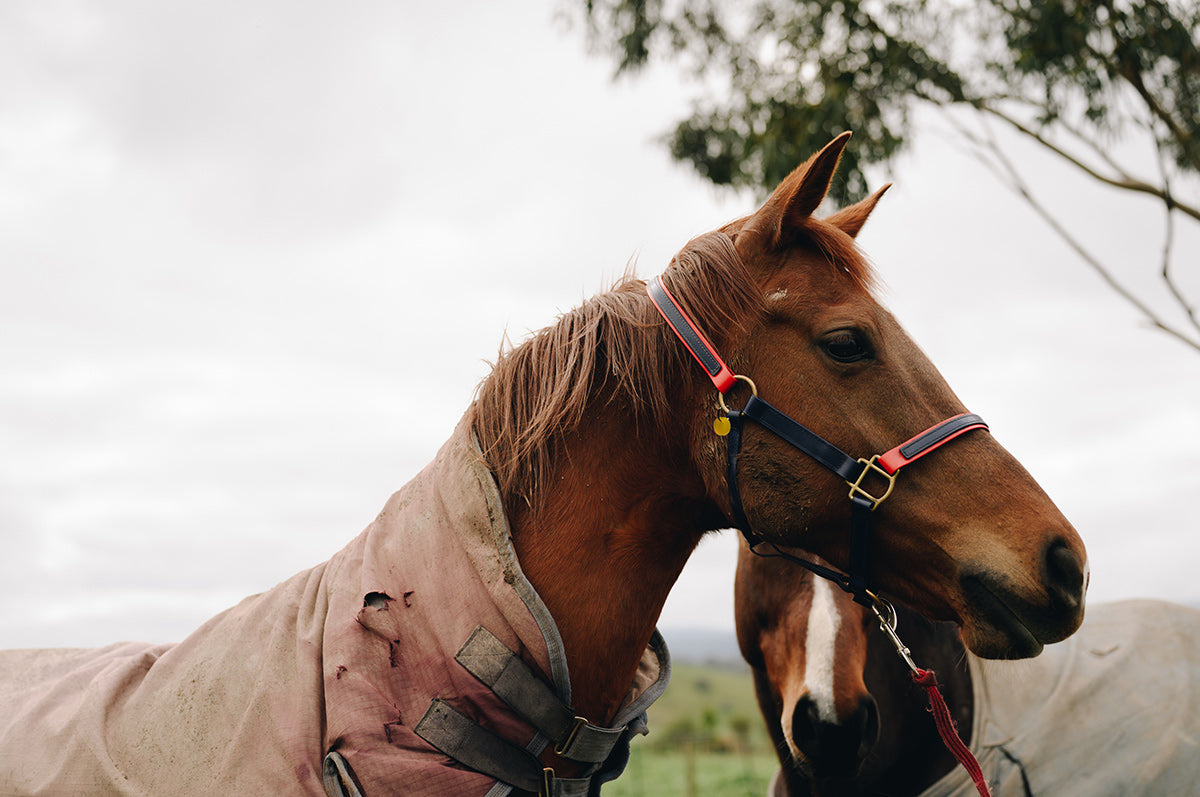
{"x":946,"y":727}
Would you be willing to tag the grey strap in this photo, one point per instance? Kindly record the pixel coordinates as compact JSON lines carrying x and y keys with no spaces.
{"x":477,"y":748}
{"x":486,"y":657}
{"x":338,"y":777}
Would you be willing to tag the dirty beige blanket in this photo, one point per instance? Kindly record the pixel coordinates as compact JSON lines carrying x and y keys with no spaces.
{"x":345,"y":656}
{"x":1112,"y":711}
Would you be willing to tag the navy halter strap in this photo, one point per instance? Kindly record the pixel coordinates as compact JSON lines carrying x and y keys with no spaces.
{"x":853,"y":471}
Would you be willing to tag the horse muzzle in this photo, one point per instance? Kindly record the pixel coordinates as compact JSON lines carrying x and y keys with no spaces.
{"x":1002,"y":623}
{"x":837,"y":749}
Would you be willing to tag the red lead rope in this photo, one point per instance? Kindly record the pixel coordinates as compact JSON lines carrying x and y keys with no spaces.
{"x":948,"y":731}
{"x":946,"y":728}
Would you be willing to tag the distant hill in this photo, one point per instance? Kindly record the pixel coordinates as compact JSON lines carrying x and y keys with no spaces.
{"x":709,"y":646}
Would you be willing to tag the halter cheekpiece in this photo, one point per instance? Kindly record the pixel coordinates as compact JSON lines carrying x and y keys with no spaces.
{"x":853,"y":471}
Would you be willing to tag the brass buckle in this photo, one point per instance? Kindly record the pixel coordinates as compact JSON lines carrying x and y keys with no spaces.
{"x":561,"y":749}
{"x":869,"y":466}
{"x":547,"y":789}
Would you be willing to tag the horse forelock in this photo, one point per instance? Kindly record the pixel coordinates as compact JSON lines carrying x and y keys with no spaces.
{"x":840,"y":251}
{"x":613,"y":347}
{"x":835,"y":246}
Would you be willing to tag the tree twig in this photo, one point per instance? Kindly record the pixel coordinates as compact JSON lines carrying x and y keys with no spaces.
{"x":1008,"y":174}
{"x":1125,"y":182}
{"x":1188,"y":308}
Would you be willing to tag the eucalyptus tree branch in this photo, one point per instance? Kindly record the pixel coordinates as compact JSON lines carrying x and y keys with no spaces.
{"x":1168,"y":242}
{"x":1008,"y":174}
{"x":1134,"y":76}
{"x":1125,"y":182}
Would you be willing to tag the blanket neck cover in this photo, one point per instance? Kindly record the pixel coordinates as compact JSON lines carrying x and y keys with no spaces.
{"x":317,"y":686}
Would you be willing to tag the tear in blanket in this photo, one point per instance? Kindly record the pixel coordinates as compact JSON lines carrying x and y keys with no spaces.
{"x":345,"y":657}
{"x":1112,"y":711}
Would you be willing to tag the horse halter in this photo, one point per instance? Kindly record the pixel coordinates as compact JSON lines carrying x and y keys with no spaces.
{"x":854,"y":471}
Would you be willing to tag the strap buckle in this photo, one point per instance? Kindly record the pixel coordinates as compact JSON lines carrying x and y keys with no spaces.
{"x":547,"y":789}
{"x":871,"y":466}
{"x":562,"y":747}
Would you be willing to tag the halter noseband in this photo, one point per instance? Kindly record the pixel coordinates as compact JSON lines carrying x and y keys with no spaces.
{"x":853,"y":471}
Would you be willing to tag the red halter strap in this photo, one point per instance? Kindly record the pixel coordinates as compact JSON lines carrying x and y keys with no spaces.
{"x":690,"y":334}
{"x":932,"y":438}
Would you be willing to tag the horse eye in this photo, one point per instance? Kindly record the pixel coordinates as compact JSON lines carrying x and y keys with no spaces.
{"x":847,"y":346}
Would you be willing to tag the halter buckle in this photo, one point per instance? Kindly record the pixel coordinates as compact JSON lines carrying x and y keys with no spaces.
{"x":871,"y":466}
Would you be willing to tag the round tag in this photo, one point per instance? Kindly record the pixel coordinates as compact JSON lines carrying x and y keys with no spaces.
{"x":721,"y":426}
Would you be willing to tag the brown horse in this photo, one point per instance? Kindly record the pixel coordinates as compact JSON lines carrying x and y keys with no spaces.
{"x":598,"y":434}
{"x":839,"y":704}
{"x":1111,"y":711}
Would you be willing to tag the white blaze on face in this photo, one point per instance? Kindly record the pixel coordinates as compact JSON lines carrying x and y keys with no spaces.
{"x":820,"y":649}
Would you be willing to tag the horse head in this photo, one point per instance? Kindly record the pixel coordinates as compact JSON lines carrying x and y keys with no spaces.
{"x":838,"y":703}
{"x":599,"y":432}
{"x":806,"y":644}
{"x":967,"y":534}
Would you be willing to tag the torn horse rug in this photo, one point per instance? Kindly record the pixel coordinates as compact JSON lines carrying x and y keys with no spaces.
{"x":332,"y":682}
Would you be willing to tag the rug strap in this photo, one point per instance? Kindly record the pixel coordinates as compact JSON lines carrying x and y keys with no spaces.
{"x":477,"y":748}
{"x":511,"y":679}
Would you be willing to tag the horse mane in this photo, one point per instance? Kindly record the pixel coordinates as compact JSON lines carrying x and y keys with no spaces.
{"x":615,"y":347}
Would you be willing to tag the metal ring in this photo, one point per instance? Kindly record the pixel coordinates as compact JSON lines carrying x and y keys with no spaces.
{"x":737,"y":377}
{"x":888,"y":615}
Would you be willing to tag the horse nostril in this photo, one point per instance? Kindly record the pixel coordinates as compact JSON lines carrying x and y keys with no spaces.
{"x":868,"y":724}
{"x":837,"y":747}
{"x":806,"y":719}
{"x":1064,"y":575}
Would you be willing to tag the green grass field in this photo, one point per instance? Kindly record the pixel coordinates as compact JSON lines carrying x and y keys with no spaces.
{"x":672,"y":773}
{"x":706,"y":738}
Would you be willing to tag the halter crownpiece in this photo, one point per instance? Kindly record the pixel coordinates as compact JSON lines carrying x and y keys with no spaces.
{"x":853,"y":471}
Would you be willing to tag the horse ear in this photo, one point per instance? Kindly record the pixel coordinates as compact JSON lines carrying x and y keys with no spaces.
{"x":851,"y":219}
{"x":793,"y":202}
{"x":807,"y":186}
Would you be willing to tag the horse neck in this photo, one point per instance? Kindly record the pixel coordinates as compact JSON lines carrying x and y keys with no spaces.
{"x":604,"y":544}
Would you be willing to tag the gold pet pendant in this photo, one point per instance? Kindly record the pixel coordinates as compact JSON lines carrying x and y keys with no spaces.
{"x":721,"y":426}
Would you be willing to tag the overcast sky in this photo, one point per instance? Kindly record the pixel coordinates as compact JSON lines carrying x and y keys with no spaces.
{"x":255,"y":258}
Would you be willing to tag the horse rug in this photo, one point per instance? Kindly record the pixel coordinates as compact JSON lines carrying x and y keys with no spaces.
{"x":1112,"y":710}
{"x":345,"y":658}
